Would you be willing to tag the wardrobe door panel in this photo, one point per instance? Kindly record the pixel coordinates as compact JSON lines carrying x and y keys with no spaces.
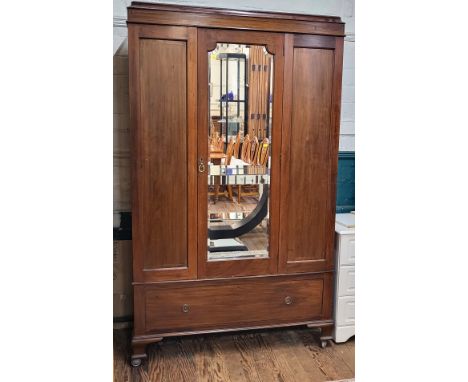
{"x":163,"y":227}
{"x":239,"y":236}
{"x":164,"y":125}
{"x":310,"y":145}
{"x":308,"y":162}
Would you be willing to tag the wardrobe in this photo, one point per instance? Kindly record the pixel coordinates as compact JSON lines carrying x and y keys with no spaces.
{"x":232,"y":229}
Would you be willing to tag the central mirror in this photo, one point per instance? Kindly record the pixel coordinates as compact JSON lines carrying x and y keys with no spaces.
{"x":239,"y":145}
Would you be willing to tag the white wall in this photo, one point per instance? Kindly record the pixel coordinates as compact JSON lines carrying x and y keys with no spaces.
{"x":342,"y":8}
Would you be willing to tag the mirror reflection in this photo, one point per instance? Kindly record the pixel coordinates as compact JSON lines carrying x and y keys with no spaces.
{"x":239,"y":145}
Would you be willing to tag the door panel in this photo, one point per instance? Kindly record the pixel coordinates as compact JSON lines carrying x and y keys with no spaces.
{"x":238,"y":193}
{"x":308,"y":163}
{"x":310,"y":145}
{"x":164,"y":132}
{"x":164,"y":225}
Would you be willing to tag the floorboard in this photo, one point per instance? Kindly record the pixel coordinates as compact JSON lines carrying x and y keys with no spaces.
{"x":277,"y":355}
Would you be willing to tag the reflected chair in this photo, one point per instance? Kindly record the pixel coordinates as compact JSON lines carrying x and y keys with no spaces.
{"x":259,"y":162}
{"x":245,"y":150}
{"x":225,"y":161}
{"x":235,"y":153}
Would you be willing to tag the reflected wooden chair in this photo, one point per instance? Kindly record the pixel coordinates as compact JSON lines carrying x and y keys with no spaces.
{"x":245,"y":156}
{"x":225,"y":161}
{"x":216,"y":142}
{"x":216,"y":125}
{"x":230,"y":150}
{"x":263,"y":153}
{"x":253,"y":151}
{"x":213,"y":138}
{"x":260,"y":161}
{"x":235,"y":153}
{"x":221,"y":143}
{"x":245,"y":150}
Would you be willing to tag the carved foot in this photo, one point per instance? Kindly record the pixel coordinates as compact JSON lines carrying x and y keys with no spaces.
{"x":139,"y":350}
{"x":135,"y":362}
{"x":138,"y":354}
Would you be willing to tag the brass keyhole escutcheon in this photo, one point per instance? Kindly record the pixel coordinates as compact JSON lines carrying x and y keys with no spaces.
{"x":185,"y":308}
{"x":288,"y":300}
{"x":201,"y":166}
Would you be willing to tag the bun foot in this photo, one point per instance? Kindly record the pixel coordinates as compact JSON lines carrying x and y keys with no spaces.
{"x":135,"y":362}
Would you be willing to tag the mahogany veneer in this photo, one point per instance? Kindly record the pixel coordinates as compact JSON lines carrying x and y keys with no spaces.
{"x":177,"y":291}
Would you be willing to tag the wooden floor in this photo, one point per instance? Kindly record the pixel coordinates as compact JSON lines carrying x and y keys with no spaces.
{"x":284,"y":355}
{"x":224,"y":205}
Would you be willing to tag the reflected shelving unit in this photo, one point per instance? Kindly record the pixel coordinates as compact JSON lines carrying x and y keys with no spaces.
{"x":232,"y":94}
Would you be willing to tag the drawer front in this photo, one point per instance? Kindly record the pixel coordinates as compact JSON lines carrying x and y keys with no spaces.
{"x":179,"y":307}
{"x":345,"y":311}
{"x":346,"y":281}
{"x":346,"y":251}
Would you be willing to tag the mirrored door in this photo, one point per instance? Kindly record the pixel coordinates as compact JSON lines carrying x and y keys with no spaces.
{"x":238,"y":145}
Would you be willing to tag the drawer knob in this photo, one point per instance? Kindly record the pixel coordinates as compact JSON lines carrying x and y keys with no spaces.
{"x":288,"y":300}
{"x":185,"y":308}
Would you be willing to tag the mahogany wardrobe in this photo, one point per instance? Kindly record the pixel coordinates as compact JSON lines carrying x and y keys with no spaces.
{"x":235,"y":126}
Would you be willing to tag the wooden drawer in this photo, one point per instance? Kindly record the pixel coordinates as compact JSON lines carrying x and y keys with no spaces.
{"x":346,"y":281}
{"x":192,"y":306}
{"x":346,"y":250}
{"x":345,"y":311}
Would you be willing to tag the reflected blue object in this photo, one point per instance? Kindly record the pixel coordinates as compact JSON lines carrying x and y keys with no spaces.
{"x":230,"y":96}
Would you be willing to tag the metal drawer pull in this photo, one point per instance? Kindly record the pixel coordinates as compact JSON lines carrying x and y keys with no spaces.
{"x":288,"y":300}
{"x":185,"y":308}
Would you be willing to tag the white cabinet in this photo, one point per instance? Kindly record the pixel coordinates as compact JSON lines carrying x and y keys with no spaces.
{"x":344,"y":288}
{"x":346,"y":281}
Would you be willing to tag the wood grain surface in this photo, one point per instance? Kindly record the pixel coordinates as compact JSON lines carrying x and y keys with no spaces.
{"x":308,"y":154}
{"x":309,"y":161}
{"x":233,"y":304}
{"x":262,"y":356}
{"x":166,"y":14}
{"x":163,"y":109}
{"x":164,"y":125}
